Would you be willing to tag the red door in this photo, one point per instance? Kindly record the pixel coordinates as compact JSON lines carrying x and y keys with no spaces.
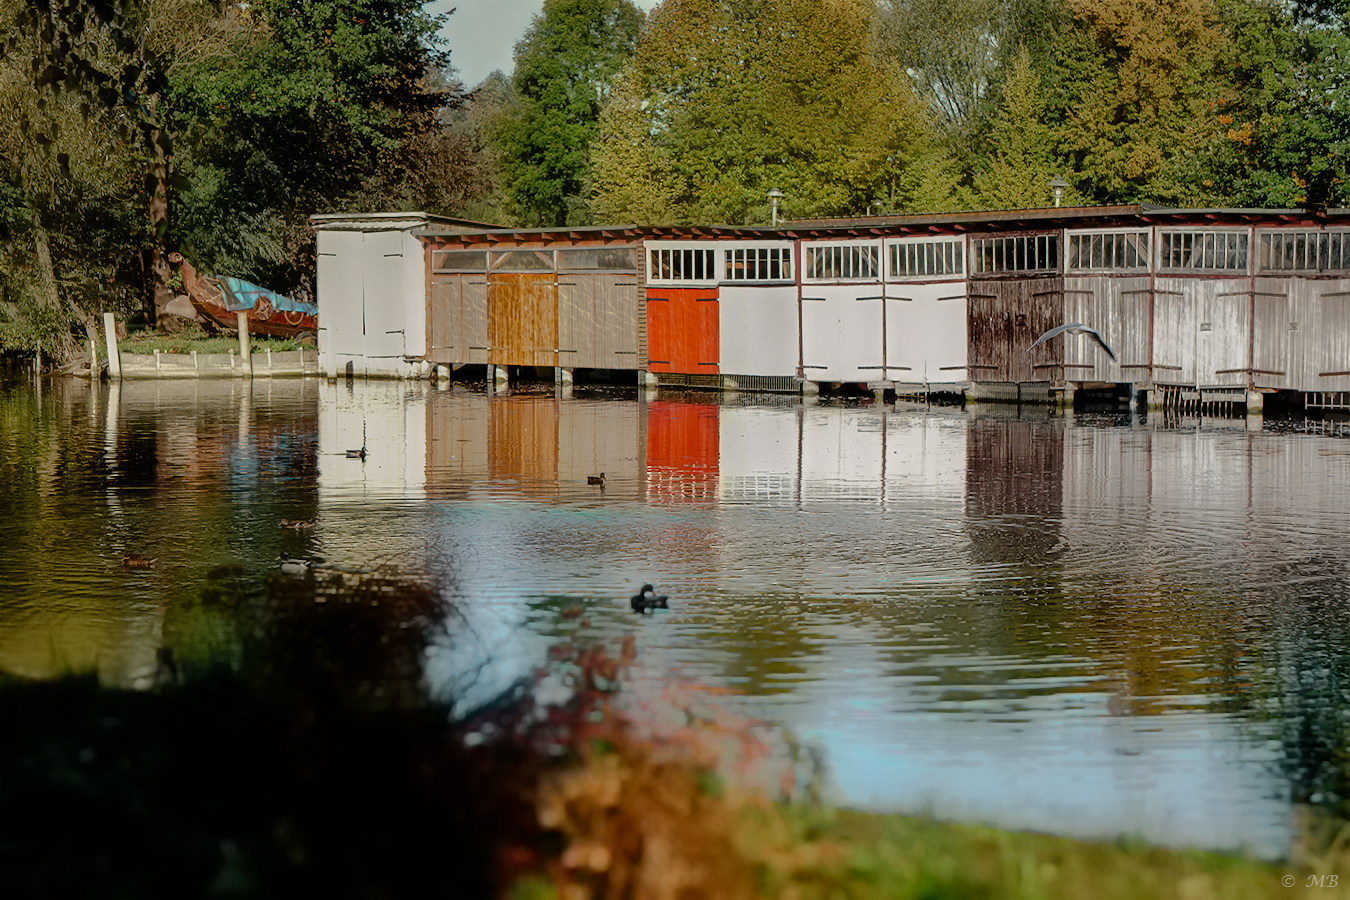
{"x":682,"y":330}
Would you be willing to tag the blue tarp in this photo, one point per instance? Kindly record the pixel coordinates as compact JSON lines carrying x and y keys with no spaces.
{"x":241,"y":295}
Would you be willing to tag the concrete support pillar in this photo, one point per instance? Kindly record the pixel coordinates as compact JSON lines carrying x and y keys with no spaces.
{"x":562,"y":376}
{"x":245,"y":352}
{"x":1256,"y":403}
{"x":649,"y":379}
{"x":810,"y":389}
{"x":442,"y":373}
{"x":114,"y":356}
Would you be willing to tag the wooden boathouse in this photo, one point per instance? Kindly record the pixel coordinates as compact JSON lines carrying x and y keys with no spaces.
{"x":1196,"y":304}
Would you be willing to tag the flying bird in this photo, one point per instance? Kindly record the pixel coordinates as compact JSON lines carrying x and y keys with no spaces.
{"x":1073,"y":328}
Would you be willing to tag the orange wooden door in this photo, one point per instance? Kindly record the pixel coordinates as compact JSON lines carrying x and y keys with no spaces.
{"x":682,"y":331}
{"x":523,"y":319}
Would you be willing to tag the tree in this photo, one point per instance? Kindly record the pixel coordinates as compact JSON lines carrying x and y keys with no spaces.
{"x":109,"y":62}
{"x":723,"y":102}
{"x":1023,"y":162}
{"x":564,"y":67}
{"x":957,"y":52}
{"x":322,"y":105}
{"x":1287,"y":129}
{"x":1139,"y":87}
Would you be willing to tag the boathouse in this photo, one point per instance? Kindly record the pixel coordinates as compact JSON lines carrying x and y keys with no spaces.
{"x":372,"y":288}
{"x":1193,"y":304}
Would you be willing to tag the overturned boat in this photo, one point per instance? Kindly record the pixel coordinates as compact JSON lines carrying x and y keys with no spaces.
{"x":220,"y":300}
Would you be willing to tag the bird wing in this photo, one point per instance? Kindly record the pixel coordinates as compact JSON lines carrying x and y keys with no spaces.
{"x":1073,"y":328}
{"x":1099,"y":339}
{"x":1055,"y":332}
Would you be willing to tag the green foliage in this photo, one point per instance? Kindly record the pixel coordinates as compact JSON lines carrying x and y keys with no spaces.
{"x":1023,"y":163}
{"x":319,"y":106}
{"x":564,"y":68}
{"x":1138,"y":86}
{"x":724,"y":102}
{"x":1287,"y":134}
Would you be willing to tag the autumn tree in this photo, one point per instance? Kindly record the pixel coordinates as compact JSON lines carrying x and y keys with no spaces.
{"x":1286,"y":130}
{"x":564,"y":67}
{"x":723,"y":102}
{"x":1139,"y":86}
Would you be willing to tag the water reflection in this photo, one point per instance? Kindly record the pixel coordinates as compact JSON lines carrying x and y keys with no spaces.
{"x":1080,"y":625}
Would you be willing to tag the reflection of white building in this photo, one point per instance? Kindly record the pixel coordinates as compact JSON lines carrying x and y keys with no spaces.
{"x":379,"y":417}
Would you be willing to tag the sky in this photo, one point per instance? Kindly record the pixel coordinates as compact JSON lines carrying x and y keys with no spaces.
{"x":482,"y":33}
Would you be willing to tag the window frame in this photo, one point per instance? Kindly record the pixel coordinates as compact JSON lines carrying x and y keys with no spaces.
{"x":1145,"y":266}
{"x":1165,"y":234}
{"x":808,"y":248}
{"x":892,"y":245}
{"x":711,"y":266}
{"x":975,"y":257}
{"x":1332,"y":235}
{"x":786,"y":250}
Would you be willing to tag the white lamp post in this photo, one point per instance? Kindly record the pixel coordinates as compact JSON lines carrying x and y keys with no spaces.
{"x":1057,"y":185}
{"x":774,"y":196}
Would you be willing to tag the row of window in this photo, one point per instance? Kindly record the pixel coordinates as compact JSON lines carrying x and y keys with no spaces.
{"x":603,"y":259}
{"x":1105,"y":251}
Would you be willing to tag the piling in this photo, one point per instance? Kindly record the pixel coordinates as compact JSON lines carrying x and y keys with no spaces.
{"x":114,"y":355}
{"x":246,"y":354}
{"x":37,"y":360}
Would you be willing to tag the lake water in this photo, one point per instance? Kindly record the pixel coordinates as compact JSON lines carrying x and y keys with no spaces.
{"x":1074,"y":624}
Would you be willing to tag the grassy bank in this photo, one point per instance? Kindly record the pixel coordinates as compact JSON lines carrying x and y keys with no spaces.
{"x":198,"y":339}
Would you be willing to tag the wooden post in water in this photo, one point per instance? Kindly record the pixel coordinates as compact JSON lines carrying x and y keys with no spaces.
{"x":241,"y":318}
{"x":37,"y":361}
{"x":110,"y":338}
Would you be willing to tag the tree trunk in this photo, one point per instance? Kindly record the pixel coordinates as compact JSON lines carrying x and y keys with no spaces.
{"x":46,"y":273}
{"x":159,"y":270}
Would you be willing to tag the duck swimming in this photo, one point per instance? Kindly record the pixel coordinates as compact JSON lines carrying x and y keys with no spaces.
{"x":596,"y":479}
{"x":647,"y":600}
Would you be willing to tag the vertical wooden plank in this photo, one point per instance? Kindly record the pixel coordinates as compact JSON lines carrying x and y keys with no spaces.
{"x":1333,"y":348}
{"x":577,"y":321}
{"x":988,"y":326}
{"x":1174,"y":330}
{"x":1223,"y":331}
{"x":707,"y":331}
{"x":538,"y":322}
{"x":678,"y":330}
{"x":1271,"y":334}
{"x":616,"y":314}
{"x":444,"y":325}
{"x":1043,"y":301}
{"x":472,"y":333}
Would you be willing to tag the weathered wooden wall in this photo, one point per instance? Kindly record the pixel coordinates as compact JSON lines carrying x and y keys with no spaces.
{"x":523,"y":319}
{"x":1117,"y":308}
{"x":457,"y":330}
{"x":597,"y":321}
{"x":1006,"y":316}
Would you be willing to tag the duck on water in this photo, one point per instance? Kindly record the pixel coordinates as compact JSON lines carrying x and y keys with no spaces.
{"x":647,"y":600}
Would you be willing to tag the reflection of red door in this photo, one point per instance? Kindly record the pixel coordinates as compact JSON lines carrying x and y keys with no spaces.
{"x":682,"y":330}
{"x":682,"y":450}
